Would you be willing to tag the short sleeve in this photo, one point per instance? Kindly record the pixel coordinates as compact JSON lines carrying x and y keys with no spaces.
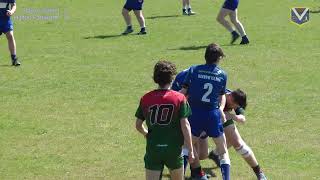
{"x":139,"y":113}
{"x":187,"y":80}
{"x":224,"y":85}
{"x":185,"y":110}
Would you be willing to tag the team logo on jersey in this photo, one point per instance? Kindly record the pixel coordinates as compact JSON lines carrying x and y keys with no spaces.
{"x":300,"y":15}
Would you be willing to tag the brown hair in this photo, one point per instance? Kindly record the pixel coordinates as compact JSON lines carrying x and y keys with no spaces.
{"x":164,"y":72}
{"x":240,"y":98}
{"x":213,"y":53}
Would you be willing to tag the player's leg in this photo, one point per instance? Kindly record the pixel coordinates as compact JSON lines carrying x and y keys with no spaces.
{"x":244,"y":150}
{"x":127,"y":19}
{"x":213,"y":155}
{"x":12,"y":48}
{"x":195,"y":167}
{"x":189,"y":9}
{"x":141,"y":21}
{"x":197,"y":127}
{"x":203,"y":148}
{"x":184,"y":7}
{"x":152,"y":174}
{"x":219,"y":139}
{"x":223,"y":154}
{"x":153,"y":164}
{"x":234,"y":19}
{"x":221,"y":18}
{"x":177,"y":174}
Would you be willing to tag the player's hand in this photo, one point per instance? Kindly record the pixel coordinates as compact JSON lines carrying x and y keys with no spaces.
{"x":9,"y":13}
{"x":240,"y":118}
{"x":191,"y":157}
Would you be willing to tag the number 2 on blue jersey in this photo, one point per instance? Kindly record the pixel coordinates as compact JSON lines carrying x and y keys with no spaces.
{"x":208,"y":87}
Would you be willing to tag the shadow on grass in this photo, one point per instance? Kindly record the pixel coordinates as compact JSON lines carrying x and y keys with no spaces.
{"x":208,"y":171}
{"x":103,"y":36}
{"x":162,"y":17}
{"x":195,"y":48}
{"x":7,"y":65}
{"x":315,"y":11}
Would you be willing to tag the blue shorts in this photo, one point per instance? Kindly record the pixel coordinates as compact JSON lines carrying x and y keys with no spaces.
{"x":231,"y":4}
{"x":135,"y":5}
{"x":208,"y":121}
{"x":6,"y":25}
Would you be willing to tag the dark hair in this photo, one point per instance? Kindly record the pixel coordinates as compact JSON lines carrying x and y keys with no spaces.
{"x":240,"y":98}
{"x":164,"y":72}
{"x":213,"y":53}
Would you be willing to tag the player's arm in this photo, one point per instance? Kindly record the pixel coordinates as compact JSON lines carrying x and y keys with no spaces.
{"x":186,"y":82}
{"x":221,"y":108}
{"x":139,"y":122}
{"x":140,"y":127}
{"x":12,"y":10}
{"x":239,"y":118}
{"x":186,"y":130}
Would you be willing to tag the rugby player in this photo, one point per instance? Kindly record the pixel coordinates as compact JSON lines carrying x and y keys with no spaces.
{"x":166,"y":114}
{"x":186,"y":8}
{"x":205,"y":87}
{"x":136,"y":6}
{"x":7,"y":9}
{"x":230,"y":8}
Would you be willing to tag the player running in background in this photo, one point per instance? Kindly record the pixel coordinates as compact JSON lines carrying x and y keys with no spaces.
{"x":165,"y":112}
{"x":7,"y":9}
{"x":230,"y":8}
{"x":136,"y":6}
{"x":186,"y":8}
{"x":205,"y":87}
{"x":237,"y":101}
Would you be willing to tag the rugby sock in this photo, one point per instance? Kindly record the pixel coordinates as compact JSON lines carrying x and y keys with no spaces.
{"x":257,"y":170}
{"x":13,"y":56}
{"x":195,"y":171}
{"x":185,"y":153}
{"x":225,"y":171}
{"x":234,"y":33}
{"x":185,"y":163}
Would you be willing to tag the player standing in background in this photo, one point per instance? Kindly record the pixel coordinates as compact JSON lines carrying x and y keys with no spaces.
{"x":186,"y":8}
{"x":136,"y":6}
{"x":230,"y":8}
{"x":205,"y":86}
{"x":237,"y":101}
{"x":165,"y":112}
{"x":6,"y":27}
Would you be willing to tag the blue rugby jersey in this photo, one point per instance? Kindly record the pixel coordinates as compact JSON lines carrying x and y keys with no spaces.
{"x":205,"y":84}
{"x":178,"y":81}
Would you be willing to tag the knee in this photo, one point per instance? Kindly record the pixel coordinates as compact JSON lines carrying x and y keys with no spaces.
{"x":244,"y":150}
{"x":235,"y":21}
{"x":220,"y":19}
{"x":10,"y":36}
{"x":203,"y":155}
{"x":124,"y":12}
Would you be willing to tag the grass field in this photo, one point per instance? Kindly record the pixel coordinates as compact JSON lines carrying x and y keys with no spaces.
{"x":68,"y":111}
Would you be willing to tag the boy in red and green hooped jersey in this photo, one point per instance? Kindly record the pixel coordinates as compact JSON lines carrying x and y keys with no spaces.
{"x":165,"y":112}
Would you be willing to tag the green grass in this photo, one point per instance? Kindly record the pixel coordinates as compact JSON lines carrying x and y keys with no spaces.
{"x":68,"y":111}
